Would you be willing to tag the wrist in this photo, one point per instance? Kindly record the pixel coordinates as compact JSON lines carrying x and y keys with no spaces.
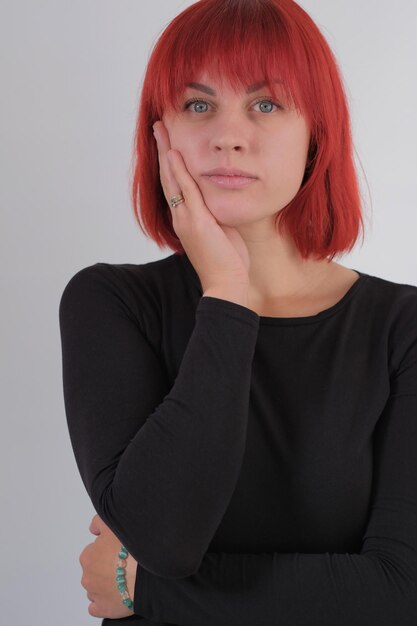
{"x":233,"y":293}
{"x":131,"y":568}
{"x":125,"y":574}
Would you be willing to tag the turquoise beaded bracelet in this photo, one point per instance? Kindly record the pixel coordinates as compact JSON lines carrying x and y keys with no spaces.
{"x":121,"y":580}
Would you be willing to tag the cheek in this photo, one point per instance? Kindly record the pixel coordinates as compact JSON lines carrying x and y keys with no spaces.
{"x":289,"y":158}
{"x":192,"y":160}
{"x":176,"y":135}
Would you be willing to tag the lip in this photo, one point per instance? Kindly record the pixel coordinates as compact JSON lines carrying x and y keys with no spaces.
{"x":231,"y":182}
{"x":229,"y":171}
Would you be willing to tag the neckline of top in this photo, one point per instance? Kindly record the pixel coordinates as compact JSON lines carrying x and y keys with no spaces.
{"x":290,"y":321}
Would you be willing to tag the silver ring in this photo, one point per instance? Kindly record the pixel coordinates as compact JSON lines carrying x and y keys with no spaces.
{"x":176,"y":200}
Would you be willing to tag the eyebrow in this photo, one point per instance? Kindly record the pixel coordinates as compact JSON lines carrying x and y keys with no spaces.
{"x":210,"y":91}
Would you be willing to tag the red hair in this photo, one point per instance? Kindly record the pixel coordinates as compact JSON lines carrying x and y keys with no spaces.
{"x":240,"y":42}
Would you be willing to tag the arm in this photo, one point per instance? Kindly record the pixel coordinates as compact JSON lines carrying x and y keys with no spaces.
{"x":376,"y":586}
{"x":160,"y":465}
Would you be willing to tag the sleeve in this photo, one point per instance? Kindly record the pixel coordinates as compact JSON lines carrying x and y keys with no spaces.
{"x":160,"y":465}
{"x":377,"y":586}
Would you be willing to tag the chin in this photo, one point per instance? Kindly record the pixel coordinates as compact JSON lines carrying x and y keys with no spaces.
{"x":233,"y":212}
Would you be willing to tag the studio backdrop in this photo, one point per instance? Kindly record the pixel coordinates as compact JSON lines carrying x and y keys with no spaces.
{"x":71,"y":75}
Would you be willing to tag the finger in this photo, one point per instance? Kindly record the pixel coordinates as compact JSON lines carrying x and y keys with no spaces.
{"x":82,"y":559}
{"x":180,"y":172}
{"x":190,"y":190}
{"x":83,"y":581}
{"x":169,"y":184}
{"x":94,"y":525}
{"x":94,"y":610}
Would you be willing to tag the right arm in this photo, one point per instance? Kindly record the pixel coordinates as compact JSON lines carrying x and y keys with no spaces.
{"x":160,"y":465}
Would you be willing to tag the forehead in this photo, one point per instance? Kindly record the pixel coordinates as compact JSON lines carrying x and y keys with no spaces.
{"x":212,"y":86}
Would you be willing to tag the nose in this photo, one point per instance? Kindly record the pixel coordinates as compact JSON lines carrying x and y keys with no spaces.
{"x":230,"y":132}
{"x":228,"y":140}
{"x":223,"y":148}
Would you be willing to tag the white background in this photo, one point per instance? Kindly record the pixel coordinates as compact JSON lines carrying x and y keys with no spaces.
{"x":71,"y":74}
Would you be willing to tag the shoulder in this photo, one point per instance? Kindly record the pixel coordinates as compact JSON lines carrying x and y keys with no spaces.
{"x":394,"y":298}
{"x":393,"y":310}
{"x":135,"y":289}
{"x":122,"y":274}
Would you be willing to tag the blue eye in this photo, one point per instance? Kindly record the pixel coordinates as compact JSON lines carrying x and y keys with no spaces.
{"x":199,"y":101}
{"x":263,"y":100}
{"x":187,"y":104}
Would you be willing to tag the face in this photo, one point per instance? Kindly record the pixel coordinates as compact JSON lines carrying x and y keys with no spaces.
{"x":251,"y":132}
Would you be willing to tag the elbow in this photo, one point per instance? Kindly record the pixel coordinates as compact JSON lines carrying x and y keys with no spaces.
{"x":400,"y":600}
{"x":158,"y":548}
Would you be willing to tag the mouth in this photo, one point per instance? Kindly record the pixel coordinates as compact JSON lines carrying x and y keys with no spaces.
{"x":229,"y":171}
{"x":230,"y":182}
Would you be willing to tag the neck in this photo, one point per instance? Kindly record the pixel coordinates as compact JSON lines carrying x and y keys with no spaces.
{"x":277,"y":269}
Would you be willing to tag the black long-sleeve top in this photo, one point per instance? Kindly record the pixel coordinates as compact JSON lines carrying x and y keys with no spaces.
{"x":261,"y":470}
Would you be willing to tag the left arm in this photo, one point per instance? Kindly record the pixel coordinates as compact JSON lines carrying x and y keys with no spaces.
{"x":376,"y":586}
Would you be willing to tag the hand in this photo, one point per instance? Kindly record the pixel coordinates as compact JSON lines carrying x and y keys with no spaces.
{"x":218,"y":253}
{"x":99,"y":561}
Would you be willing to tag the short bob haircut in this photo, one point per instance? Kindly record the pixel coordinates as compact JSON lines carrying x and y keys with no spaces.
{"x":243,"y":42}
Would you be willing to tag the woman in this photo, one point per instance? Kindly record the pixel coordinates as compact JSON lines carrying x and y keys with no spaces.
{"x":243,"y":412}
